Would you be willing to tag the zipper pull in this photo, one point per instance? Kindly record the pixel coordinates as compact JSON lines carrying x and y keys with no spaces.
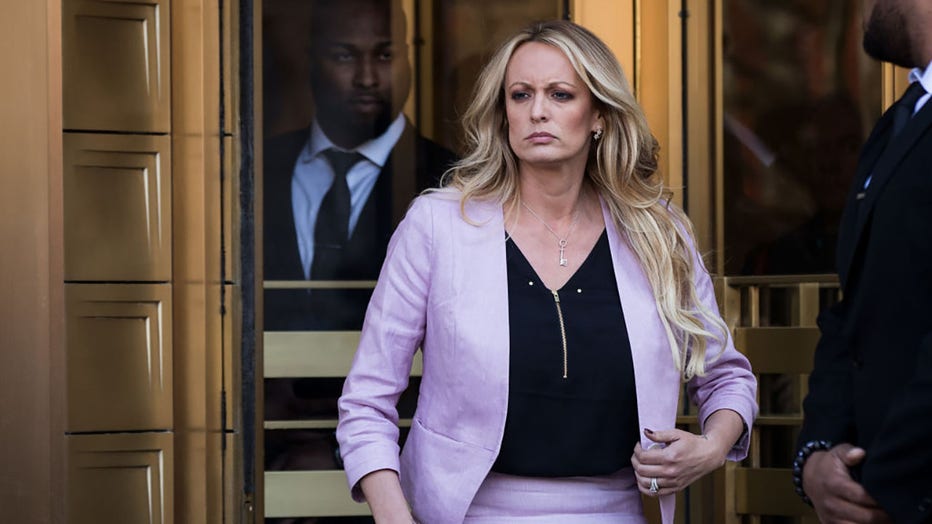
{"x":556,"y":296}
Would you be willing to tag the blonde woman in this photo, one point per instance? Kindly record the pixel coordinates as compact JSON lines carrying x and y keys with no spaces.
{"x":559,"y":304}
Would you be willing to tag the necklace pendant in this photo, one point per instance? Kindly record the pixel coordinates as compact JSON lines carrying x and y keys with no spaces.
{"x":562,"y":257}
{"x":563,"y":261}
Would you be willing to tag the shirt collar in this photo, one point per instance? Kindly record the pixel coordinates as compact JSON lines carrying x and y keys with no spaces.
{"x":375,"y":150}
{"x":922,"y":76}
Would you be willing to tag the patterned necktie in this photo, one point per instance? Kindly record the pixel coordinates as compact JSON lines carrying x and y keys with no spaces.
{"x":332,"y":229}
{"x":906,"y":106}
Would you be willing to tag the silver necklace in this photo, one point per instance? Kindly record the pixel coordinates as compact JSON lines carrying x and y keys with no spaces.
{"x":561,"y":241}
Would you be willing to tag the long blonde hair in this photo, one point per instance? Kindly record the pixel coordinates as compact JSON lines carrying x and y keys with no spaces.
{"x":622,"y":167}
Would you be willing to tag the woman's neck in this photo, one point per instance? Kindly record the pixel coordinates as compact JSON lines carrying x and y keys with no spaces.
{"x":552,"y":194}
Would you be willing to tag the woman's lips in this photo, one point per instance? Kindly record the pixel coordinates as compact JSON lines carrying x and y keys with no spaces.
{"x":540,"y":138}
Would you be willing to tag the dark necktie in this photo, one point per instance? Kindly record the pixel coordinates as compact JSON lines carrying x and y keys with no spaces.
{"x":902,"y":112}
{"x":906,"y":105}
{"x":332,"y":229}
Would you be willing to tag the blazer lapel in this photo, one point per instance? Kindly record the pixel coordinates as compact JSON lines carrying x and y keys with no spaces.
{"x":847,"y":240}
{"x":871,"y":151}
{"x":657,"y":381}
{"x":479,"y":286}
{"x":886,"y":164}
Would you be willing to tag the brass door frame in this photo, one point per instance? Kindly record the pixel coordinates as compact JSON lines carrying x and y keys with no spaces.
{"x":32,"y":356}
{"x":205,"y":277}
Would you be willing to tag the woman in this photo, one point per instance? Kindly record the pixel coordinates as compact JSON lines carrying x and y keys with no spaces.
{"x":558,"y":302}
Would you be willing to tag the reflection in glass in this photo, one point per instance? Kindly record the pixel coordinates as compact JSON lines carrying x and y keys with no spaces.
{"x":316,"y":398}
{"x":336,"y":183}
{"x":341,"y":163}
{"x":307,"y":449}
{"x":799,"y":95}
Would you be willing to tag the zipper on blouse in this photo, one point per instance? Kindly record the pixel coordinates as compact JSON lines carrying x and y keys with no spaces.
{"x":556,"y":300}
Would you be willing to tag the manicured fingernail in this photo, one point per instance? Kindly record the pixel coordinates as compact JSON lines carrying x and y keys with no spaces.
{"x":648,"y":431}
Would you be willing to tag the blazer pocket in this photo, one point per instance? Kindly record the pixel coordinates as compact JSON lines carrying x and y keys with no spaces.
{"x":417,"y":422}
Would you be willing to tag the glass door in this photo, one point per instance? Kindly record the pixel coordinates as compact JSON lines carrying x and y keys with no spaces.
{"x":798,"y":99}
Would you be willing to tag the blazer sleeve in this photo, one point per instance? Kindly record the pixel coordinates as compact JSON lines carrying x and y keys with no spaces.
{"x":829,"y":414}
{"x":392,"y":331}
{"x":728,"y":382}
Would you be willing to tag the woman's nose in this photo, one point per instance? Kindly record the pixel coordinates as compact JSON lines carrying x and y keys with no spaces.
{"x":539,"y":109}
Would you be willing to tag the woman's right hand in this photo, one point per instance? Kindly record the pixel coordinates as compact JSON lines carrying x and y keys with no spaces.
{"x":675,"y":460}
{"x":683,"y":457}
{"x":382,"y":490}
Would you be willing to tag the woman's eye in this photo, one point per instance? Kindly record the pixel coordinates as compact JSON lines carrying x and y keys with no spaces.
{"x":520,"y":95}
{"x":561,"y":95}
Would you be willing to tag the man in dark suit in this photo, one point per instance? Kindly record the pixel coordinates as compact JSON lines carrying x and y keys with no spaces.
{"x":333,"y":193}
{"x":865,"y":449}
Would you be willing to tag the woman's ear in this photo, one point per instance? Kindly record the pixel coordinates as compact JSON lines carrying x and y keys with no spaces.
{"x":598,"y":128}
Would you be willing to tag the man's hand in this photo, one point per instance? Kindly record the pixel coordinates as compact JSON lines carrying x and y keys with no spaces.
{"x":837,"y":498}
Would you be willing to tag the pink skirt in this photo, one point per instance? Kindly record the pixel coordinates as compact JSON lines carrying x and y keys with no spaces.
{"x":506,"y":499}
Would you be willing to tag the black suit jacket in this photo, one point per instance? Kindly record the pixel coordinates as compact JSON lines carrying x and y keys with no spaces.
{"x":872,"y":381}
{"x":414,"y":164}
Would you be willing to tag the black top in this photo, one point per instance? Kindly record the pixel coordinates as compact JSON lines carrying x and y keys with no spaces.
{"x":584,"y":424}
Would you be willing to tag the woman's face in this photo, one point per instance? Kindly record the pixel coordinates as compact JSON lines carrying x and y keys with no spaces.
{"x":551,"y":115}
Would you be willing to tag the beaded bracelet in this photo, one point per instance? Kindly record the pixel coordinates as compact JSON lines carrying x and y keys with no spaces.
{"x":801,"y":456}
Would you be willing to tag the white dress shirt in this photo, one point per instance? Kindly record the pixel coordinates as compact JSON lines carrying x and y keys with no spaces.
{"x":924,"y":78}
{"x":313,"y":176}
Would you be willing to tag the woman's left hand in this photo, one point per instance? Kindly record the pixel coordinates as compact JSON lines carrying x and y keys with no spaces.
{"x":676,"y":460}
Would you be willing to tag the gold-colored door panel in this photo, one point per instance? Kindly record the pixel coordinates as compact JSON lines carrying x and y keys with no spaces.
{"x":116,"y":65}
{"x":124,"y":478}
{"x":767,"y":491}
{"x":786,"y":350}
{"x":300,"y":493}
{"x":314,"y":354}
{"x":773,"y":320}
{"x":117,"y":207}
{"x":119,"y":357}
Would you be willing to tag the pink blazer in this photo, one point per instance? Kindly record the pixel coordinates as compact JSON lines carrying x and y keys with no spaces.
{"x":443,"y":288}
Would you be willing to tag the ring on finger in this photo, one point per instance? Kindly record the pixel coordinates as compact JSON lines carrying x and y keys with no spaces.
{"x":654,"y":487}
